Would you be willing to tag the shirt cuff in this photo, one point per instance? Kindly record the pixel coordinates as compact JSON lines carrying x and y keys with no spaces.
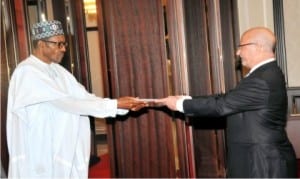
{"x":179,"y":103}
{"x":122,"y":111}
{"x":119,"y":111}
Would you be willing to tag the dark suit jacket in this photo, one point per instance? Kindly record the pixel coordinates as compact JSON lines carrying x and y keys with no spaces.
{"x":256,"y":113}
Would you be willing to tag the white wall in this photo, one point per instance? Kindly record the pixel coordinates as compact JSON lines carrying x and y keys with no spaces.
{"x":254,"y":13}
{"x":292,"y":40}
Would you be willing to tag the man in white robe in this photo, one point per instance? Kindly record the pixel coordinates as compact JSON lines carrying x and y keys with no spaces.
{"x":48,"y":129}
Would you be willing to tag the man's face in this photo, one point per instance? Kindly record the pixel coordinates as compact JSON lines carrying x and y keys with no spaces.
{"x":247,"y":50}
{"x":54,"y":49}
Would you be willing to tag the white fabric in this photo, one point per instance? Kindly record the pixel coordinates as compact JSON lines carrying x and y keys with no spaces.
{"x":48,"y":131}
{"x":179,"y":103}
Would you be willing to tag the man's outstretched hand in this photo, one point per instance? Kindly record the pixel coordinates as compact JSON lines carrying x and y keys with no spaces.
{"x":131,"y":103}
{"x":169,"y":101}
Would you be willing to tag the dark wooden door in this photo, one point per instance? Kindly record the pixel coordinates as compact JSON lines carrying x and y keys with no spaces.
{"x":210,"y":30}
{"x":140,"y":143}
{"x":14,"y":46}
{"x":205,"y":73}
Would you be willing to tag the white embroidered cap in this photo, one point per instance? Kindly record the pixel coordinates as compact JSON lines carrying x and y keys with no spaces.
{"x":45,"y":29}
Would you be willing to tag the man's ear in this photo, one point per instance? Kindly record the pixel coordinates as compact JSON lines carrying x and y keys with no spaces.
{"x":261,"y":46}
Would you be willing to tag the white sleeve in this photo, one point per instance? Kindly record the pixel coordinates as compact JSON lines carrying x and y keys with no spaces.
{"x":97,"y":107}
{"x":179,"y":103}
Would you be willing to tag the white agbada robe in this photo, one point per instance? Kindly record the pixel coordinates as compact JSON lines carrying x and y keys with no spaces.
{"x":48,"y":131}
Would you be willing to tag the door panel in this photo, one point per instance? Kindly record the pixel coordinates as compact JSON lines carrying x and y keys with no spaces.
{"x":11,"y":52}
{"x":210,"y":35}
{"x":203,"y":80}
{"x":140,"y":143}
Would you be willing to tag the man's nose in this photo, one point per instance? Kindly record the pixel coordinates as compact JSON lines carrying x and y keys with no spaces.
{"x":238,"y":51}
{"x":63,"y":49}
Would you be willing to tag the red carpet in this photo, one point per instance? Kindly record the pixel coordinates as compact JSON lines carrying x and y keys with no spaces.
{"x":101,"y":169}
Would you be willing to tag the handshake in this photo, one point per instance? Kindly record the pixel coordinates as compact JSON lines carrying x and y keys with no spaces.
{"x":135,"y":104}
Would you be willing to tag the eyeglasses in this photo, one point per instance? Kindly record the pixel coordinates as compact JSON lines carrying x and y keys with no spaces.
{"x":58,"y":44}
{"x":241,"y":45}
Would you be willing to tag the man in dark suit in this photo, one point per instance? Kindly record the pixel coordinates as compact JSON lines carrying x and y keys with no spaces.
{"x":256,"y":112}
